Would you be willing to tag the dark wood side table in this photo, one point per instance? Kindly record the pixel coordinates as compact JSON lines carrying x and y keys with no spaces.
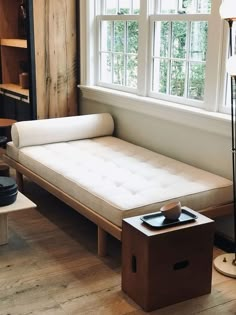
{"x":5,"y":127}
{"x":3,"y":141}
{"x":4,"y":168}
{"x":161,"y":267}
{"x":5,"y":136}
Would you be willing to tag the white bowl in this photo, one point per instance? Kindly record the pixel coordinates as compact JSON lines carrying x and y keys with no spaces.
{"x":171,"y":211}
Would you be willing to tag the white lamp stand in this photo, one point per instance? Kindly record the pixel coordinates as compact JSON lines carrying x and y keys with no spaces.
{"x":225,"y":264}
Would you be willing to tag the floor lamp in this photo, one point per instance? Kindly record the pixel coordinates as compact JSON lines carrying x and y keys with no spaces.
{"x":226,"y":264}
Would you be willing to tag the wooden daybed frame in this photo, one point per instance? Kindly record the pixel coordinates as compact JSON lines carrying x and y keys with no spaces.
{"x":104,"y":226}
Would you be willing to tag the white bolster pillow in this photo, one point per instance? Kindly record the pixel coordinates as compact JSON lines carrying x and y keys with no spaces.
{"x":62,"y":129}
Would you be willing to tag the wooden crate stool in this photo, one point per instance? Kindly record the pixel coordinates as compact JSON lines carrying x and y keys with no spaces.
{"x":166,"y":266}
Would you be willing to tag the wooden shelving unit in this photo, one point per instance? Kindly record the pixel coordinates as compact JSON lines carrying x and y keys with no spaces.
{"x":48,"y":52}
{"x":14,"y":57}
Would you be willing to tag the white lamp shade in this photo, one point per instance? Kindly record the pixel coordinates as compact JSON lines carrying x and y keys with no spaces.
{"x":228,"y":10}
{"x":231,"y":66}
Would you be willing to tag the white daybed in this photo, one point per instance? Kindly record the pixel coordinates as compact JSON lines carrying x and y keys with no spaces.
{"x":105,"y":178}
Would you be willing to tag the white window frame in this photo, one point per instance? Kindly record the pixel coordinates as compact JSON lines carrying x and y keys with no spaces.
{"x":99,"y":19}
{"x":141,"y":102}
{"x":186,"y":18}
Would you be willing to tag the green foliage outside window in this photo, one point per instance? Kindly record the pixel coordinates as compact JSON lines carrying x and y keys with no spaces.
{"x":179,"y":53}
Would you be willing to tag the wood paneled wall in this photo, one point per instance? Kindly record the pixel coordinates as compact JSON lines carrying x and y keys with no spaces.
{"x":55,"y":57}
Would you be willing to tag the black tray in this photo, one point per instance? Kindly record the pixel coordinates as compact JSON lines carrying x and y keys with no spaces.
{"x":157,"y":220}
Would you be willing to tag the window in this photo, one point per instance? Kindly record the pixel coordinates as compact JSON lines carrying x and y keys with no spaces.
{"x":166,"y":50}
{"x":179,"y":57}
{"x":118,"y":44}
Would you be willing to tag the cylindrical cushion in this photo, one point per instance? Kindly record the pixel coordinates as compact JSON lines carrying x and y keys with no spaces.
{"x":37,"y":132}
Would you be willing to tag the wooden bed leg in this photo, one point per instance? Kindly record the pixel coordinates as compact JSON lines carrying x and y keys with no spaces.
{"x":102,"y":242}
{"x":19,"y":181}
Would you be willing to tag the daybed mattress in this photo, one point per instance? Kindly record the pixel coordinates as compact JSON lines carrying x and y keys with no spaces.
{"x":118,"y":179}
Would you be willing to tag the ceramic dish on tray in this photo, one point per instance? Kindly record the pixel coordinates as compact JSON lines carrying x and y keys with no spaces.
{"x":158,"y":220}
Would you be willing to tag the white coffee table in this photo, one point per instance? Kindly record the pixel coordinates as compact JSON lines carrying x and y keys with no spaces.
{"x":21,"y":203}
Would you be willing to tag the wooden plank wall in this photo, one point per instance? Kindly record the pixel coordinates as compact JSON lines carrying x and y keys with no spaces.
{"x":55,"y":57}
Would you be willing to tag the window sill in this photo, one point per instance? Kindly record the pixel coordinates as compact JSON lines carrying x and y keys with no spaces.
{"x":193,"y":117}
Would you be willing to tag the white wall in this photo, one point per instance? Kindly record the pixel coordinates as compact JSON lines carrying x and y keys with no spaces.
{"x":202,"y":149}
{"x":205,"y":150}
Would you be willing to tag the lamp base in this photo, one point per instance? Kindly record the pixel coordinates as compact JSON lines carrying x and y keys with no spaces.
{"x":226,"y":265}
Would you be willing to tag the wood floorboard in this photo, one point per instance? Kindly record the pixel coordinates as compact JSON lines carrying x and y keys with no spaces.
{"x":50,"y":267}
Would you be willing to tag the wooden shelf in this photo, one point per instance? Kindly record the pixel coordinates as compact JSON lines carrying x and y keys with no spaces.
{"x":15,"y":89}
{"x":11,"y":42}
{"x":15,"y":58}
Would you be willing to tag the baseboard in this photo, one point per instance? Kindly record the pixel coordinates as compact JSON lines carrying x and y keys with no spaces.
{"x":224,"y":243}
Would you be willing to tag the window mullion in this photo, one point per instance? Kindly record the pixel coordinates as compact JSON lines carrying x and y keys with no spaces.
{"x":125,"y":52}
{"x":143,"y":46}
{"x":187,"y":77}
{"x":112,"y":50}
{"x":170,"y":59}
{"x":213,"y":58}
{"x":89,"y":49}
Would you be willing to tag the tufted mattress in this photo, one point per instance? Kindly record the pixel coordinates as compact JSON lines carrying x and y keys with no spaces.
{"x":118,"y":179}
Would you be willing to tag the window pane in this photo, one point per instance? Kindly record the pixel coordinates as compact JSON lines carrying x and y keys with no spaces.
{"x":161,"y":39}
{"x":132,"y":37}
{"x":136,"y":6}
{"x":196,"y":81}
{"x":106,"y":68}
{"x":132,"y":71}
{"x":118,"y":75}
{"x":122,"y":7}
{"x":170,"y":6}
{"x":184,"y":6}
{"x":160,"y":75}
{"x":119,"y":53}
{"x":198,"y":41}
{"x":179,"y":39}
{"x":203,"y":6}
{"x":195,"y":6}
{"x":111,"y":7}
{"x":106,"y":36}
{"x":178,"y":69}
{"x":177,"y":44}
{"x":119,"y":36}
{"x":125,"y":7}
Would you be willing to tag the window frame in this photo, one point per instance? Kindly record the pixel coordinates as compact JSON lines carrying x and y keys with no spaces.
{"x":168,"y":17}
{"x":141,"y":101}
{"x":99,"y":20}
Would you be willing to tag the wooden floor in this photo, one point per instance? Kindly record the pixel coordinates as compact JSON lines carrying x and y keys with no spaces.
{"x":50,"y":267}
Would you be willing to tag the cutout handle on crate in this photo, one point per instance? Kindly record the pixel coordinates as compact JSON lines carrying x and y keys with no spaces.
{"x":134,"y":264}
{"x":181,"y":265}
